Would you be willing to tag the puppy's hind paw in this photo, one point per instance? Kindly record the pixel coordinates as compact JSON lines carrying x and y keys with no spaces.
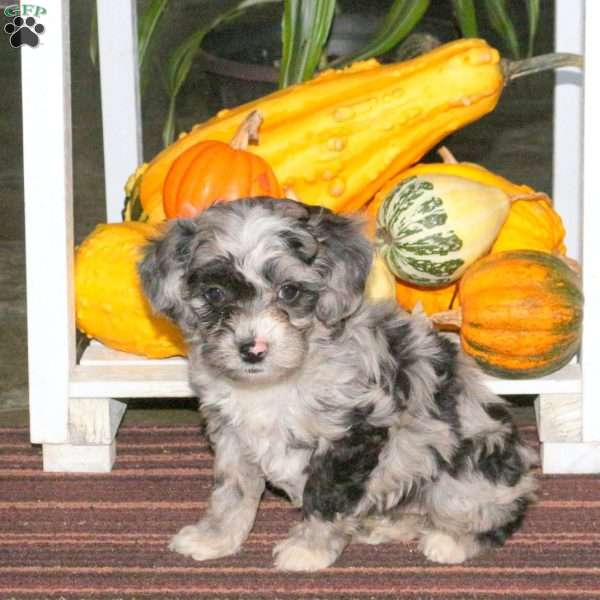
{"x":441,"y":547}
{"x":198,"y":543}
{"x":296,"y":555}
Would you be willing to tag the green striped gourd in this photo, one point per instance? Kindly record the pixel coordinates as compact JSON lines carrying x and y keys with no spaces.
{"x":430,"y":228}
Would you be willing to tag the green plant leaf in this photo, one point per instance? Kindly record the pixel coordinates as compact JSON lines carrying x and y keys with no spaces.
{"x":93,"y":42}
{"x":147,"y":25}
{"x":169,"y":126}
{"x":400,"y":20}
{"x":464,"y":11}
{"x":304,"y":32}
{"x":180,"y":61}
{"x":533,"y":17}
{"x":178,"y":68}
{"x":501,"y":23}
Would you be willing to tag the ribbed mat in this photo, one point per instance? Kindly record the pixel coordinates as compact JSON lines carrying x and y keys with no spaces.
{"x":105,"y":536}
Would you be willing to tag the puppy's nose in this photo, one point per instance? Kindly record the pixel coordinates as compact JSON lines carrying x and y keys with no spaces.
{"x":254,"y":351}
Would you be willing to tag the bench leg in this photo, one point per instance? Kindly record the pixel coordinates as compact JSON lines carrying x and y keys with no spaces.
{"x":577,"y":458}
{"x":93,"y":424}
{"x":560,"y":429}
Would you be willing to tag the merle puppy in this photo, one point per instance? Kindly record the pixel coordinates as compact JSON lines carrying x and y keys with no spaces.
{"x":373,"y":423}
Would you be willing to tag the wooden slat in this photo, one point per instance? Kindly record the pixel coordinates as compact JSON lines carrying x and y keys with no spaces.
{"x":48,"y":187}
{"x":97,"y":354}
{"x":590,"y":349}
{"x":581,"y":458}
{"x":565,"y":381}
{"x":85,"y":458}
{"x":121,"y":113}
{"x":568,"y":124}
{"x":107,"y":373}
{"x":131,"y":381}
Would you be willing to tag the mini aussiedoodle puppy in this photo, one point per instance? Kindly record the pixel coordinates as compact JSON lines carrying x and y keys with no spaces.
{"x":371,"y":422}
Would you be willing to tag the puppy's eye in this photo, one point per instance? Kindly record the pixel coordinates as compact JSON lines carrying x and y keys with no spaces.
{"x":214,"y":295}
{"x":288,"y":292}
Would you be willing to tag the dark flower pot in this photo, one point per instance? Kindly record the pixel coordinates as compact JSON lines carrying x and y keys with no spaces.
{"x":242,"y":58}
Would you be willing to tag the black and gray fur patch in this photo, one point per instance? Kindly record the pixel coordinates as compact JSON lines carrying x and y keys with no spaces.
{"x":395,"y":379}
{"x":343,"y":260}
{"x":503,"y":464}
{"x":497,"y":537}
{"x":337,"y":478}
{"x":163,"y":256}
{"x":450,"y":387}
{"x":305,"y":304}
{"x":220,"y":272}
{"x":308,"y":296}
{"x":301,"y":245}
{"x":500,"y":463}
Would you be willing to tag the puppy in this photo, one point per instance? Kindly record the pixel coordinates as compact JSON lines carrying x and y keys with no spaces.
{"x":371,"y":422}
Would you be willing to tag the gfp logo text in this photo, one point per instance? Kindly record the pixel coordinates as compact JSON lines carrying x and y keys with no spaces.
{"x":25,"y":10}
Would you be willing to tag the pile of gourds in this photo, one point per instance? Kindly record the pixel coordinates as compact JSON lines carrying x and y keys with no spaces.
{"x":349,"y":140}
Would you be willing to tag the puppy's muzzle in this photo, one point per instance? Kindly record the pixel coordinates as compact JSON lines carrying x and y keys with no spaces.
{"x":254,"y":351}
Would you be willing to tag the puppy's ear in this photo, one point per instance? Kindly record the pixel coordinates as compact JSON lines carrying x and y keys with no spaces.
{"x":165,"y":261}
{"x":344,"y":259}
{"x":300,"y":241}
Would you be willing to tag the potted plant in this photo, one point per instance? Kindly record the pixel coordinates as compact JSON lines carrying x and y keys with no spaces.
{"x":281,"y":42}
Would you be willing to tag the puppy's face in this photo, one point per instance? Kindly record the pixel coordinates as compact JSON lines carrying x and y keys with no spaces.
{"x":247,"y":280}
{"x":252,"y":302}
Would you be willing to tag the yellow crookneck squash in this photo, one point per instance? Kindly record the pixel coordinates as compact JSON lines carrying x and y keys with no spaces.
{"x":532,"y":224}
{"x":110,"y":304}
{"x":334,"y":140}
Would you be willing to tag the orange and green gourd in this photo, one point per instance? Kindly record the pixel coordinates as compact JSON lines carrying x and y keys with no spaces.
{"x":520,"y":315}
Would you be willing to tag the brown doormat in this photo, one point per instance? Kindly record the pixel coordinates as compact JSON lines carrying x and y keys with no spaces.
{"x":105,"y":536}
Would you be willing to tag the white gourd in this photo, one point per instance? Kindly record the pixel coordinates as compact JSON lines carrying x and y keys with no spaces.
{"x":430,"y":228}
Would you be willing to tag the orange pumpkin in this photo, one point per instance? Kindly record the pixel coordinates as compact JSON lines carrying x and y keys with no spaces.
{"x":212,"y":171}
{"x":521,"y":313}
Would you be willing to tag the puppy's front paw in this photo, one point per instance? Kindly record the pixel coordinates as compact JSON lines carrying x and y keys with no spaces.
{"x":441,"y":547}
{"x":199,"y":543}
{"x":294,"y":554}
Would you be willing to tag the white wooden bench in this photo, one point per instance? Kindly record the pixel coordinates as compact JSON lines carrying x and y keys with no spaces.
{"x":74,"y":408}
